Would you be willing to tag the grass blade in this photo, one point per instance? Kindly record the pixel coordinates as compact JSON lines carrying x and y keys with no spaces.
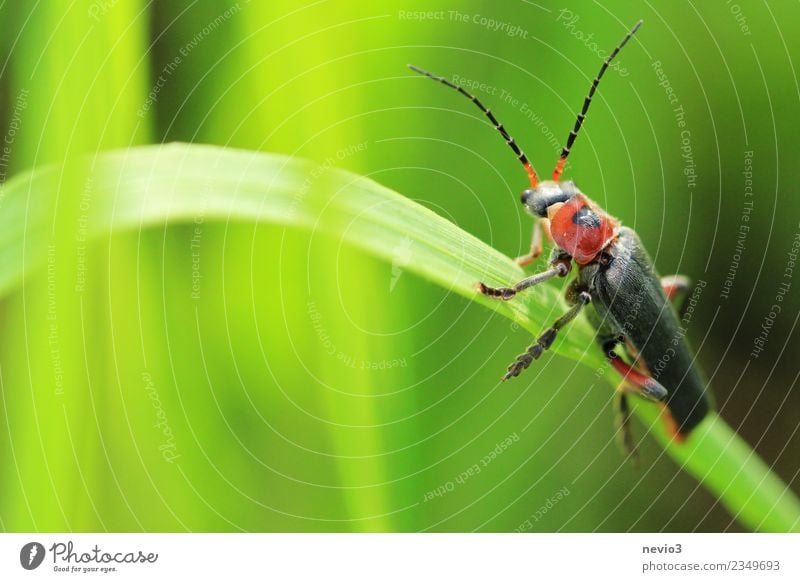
{"x":157,"y":185}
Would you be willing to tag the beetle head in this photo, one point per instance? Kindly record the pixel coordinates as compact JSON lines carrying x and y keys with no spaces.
{"x":546,"y":193}
{"x":577,"y":225}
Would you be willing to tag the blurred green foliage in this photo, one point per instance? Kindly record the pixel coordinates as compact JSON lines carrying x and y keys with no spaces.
{"x":231,"y":376}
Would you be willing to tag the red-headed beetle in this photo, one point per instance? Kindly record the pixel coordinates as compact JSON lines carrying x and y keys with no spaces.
{"x":629,"y":305}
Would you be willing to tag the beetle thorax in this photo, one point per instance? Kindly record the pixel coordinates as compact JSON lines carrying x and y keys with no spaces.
{"x":581,"y":228}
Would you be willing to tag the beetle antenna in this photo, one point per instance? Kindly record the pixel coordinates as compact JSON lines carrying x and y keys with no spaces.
{"x":588,"y":101}
{"x":488,"y":112}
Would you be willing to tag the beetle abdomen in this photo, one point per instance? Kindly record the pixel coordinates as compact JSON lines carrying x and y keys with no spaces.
{"x":627,"y":294}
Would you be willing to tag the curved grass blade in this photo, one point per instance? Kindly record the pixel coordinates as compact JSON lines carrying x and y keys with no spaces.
{"x":159,"y":185}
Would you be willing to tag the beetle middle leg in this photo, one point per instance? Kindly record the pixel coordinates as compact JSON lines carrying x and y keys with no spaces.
{"x":539,"y":226}
{"x":633,"y":382}
{"x":643,"y":385}
{"x":547,"y":338}
{"x":676,"y":287}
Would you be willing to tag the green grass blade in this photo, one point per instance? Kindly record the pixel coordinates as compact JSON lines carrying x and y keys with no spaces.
{"x":156,"y":185}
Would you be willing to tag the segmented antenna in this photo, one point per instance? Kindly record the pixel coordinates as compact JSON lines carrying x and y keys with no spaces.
{"x":588,"y":101}
{"x":488,"y":112}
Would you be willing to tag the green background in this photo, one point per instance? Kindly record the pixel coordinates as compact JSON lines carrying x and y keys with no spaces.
{"x":226,"y":376}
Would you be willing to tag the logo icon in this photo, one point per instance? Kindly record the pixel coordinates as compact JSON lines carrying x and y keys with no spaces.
{"x":401,"y":256}
{"x":31,"y":555}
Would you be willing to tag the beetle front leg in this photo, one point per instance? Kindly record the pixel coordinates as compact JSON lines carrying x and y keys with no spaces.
{"x":559,"y":267}
{"x":539,"y":225}
{"x":546,"y":340}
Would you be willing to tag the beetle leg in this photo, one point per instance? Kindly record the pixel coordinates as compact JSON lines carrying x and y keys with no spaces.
{"x":558,"y":269}
{"x":539,"y":225}
{"x":546,"y":340}
{"x":677,"y":288}
{"x":675,"y":285}
{"x":645,"y":386}
{"x":623,"y":424}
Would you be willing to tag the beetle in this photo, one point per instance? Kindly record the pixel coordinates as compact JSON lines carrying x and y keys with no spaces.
{"x":616,"y":286}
